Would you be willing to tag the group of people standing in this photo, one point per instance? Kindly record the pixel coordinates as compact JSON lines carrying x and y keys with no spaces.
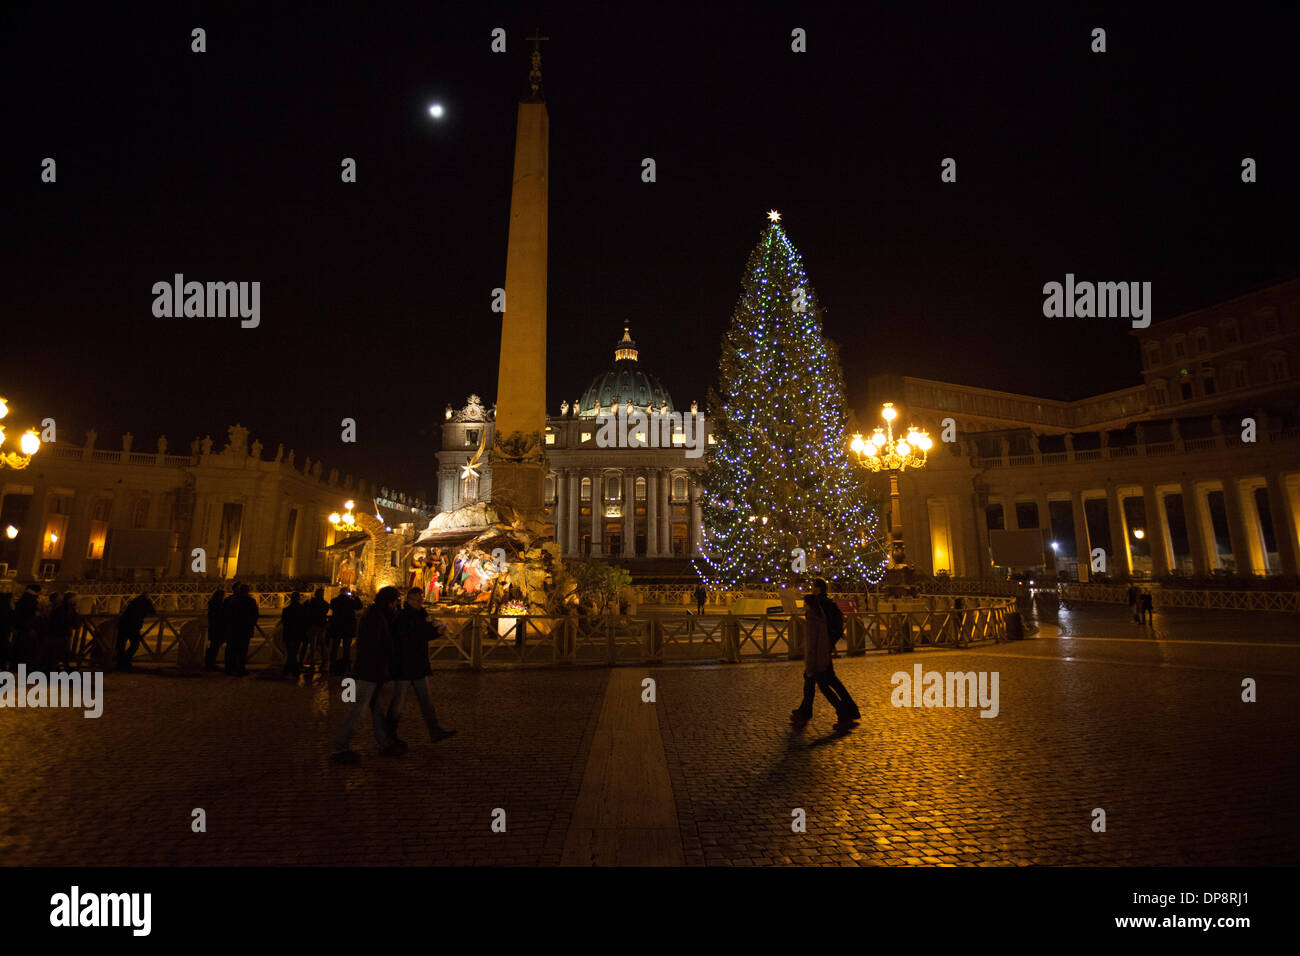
{"x":37,"y":633}
{"x":311,"y":630}
{"x":1139,"y":599}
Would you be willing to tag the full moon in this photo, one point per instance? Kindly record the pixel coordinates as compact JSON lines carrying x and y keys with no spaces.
{"x":435,"y":110}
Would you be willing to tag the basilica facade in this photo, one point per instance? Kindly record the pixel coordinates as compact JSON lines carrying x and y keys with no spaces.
{"x":626,"y":499}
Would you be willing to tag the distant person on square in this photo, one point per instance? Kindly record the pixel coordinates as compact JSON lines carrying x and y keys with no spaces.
{"x":1134,"y":603}
{"x":318,"y":610}
{"x":341,"y":629}
{"x":241,"y":617}
{"x":701,"y":595}
{"x":1148,"y":608}
{"x":130,"y":627}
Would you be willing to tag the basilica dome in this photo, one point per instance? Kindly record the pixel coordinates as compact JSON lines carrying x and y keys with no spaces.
{"x":625,"y":381}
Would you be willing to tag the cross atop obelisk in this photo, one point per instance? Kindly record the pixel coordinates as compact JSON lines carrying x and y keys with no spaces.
{"x":535,"y":59}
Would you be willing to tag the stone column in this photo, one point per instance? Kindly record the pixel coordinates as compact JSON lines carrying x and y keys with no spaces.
{"x":1010,"y":520}
{"x":652,"y":513}
{"x":1082,"y":542}
{"x":694,"y":491}
{"x":1282,"y":508}
{"x":981,"y":514}
{"x":1237,"y":533}
{"x":575,"y":509}
{"x":560,"y":510}
{"x":665,"y":515}
{"x":1120,"y":560}
{"x":597,"y":512}
{"x":629,"y":513}
{"x":1200,"y":531}
{"x":1157,"y":530}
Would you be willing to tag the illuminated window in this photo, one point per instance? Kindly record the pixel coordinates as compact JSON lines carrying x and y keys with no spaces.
{"x":586,"y":436}
{"x":471,"y":436}
{"x":712,"y":440}
{"x":640,"y":489}
{"x":679,"y":438}
{"x":679,"y":488}
{"x":585,"y":490}
{"x":613,"y":488}
{"x":550,"y":437}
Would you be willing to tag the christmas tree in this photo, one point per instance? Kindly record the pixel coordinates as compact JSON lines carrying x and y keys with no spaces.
{"x":780,"y":497}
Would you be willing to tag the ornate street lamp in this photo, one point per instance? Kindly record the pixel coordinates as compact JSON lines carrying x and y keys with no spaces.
{"x":346,"y":521}
{"x":883,"y":452}
{"x":28,"y":445}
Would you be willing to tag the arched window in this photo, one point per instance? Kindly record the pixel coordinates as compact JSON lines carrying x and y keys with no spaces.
{"x":469,"y":488}
{"x":550,"y":487}
{"x":585,"y":491}
{"x":640,"y":489}
{"x":679,"y":487}
{"x":613,"y":488}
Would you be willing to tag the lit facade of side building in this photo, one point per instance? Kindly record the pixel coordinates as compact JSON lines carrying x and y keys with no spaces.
{"x":83,"y":513}
{"x":622,"y":502}
{"x":1156,"y":476}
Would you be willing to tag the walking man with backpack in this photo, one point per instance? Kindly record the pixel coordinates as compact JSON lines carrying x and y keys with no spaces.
{"x":825,"y":629}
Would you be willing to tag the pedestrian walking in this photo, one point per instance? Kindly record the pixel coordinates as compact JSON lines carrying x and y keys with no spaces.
{"x":411,"y":670}
{"x":318,"y":610}
{"x":825,"y":626}
{"x":341,"y":629}
{"x":216,"y":628}
{"x":130,"y":626}
{"x":1148,"y":609}
{"x":241,"y":620}
{"x":701,"y":595}
{"x":373,"y":670}
{"x":293,"y":631}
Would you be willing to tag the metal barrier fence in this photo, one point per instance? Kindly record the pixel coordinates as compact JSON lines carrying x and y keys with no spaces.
{"x":1206,"y":599}
{"x":479,"y":640}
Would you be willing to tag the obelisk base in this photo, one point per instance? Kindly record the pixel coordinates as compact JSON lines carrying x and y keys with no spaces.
{"x":520,"y":485}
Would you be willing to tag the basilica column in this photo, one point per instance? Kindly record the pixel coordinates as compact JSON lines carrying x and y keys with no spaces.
{"x":665,"y":514}
{"x":694,"y":491}
{"x":1120,"y":561}
{"x":575,"y":509}
{"x":629,"y":513}
{"x":1282,"y":511}
{"x":1157,"y":530}
{"x":1082,"y":543}
{"x":652,"y":513}
{"x":1237,"y":534}
{"x":560,"y":513}
{"x":1199,"y":539}
{"x":597,"y":512}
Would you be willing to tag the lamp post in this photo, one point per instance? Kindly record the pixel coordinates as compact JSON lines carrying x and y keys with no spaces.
{"x":28,"y":445}
{"x":883,"y":452}
{"x":346,"y":521}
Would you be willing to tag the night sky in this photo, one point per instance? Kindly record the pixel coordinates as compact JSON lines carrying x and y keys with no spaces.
{"x":224,"y":166}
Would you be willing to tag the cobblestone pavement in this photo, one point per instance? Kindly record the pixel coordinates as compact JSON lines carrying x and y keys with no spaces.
{"x":1148,"y":726}
{"x":254,"y":754}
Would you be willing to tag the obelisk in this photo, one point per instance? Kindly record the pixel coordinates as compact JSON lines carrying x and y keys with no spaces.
{"x":518,"y":462}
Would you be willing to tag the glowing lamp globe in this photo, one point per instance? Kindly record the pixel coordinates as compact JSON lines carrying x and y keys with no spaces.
{"x":435,"y":110}
{"x":335,"y":518}
{"x":31,"y":442}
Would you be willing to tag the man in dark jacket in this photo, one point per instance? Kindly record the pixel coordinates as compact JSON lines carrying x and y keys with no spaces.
{"x":822,"y":616}
{"x":129,"y":628}
{"x":24,"y":645}
{"x":63,"y":623}
{"x":342,"y":627}
{"x":216,"y":627}
{"x":241,"y":620}
{"x":6,"y":627}
{"x":374,"y":668}
{"x":411,"y":665}
{"x":313,"y":647}
{"x":293,"y":631}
